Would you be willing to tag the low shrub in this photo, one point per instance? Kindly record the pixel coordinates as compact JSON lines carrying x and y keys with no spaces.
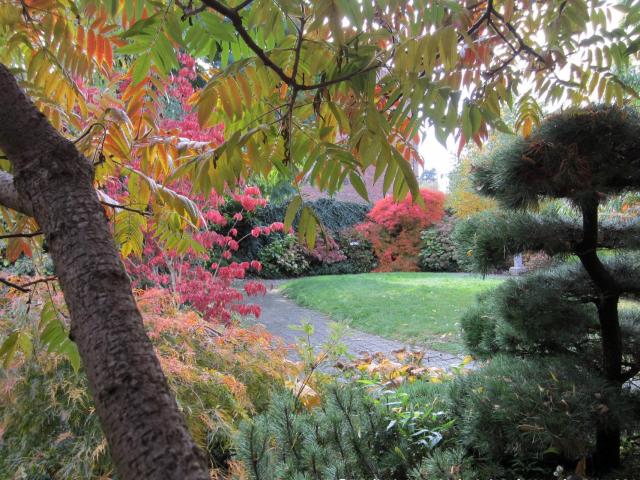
{"x":536,"y":260}
{"x":448,"y":464}
{"x":353,"y":434}
{"x":393,"y":228}
{"x":326,"y":251}
{"x":439,"y":253}
{"x":523,"y":417}
{"x":357,"y":252}
{"x":49,"y":426}
{"x":283,"y":258}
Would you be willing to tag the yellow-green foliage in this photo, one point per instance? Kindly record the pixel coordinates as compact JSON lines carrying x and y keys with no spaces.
{"x":463,"y":199}
{"x":48,"y":426}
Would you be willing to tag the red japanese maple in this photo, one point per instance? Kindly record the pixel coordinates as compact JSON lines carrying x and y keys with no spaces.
{"x":393,"y":228}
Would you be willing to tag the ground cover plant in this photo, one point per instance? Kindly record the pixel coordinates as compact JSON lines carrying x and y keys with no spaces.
{"x":50,"y":429}
{"x":421,"y":307}
{"x":386,"y":421}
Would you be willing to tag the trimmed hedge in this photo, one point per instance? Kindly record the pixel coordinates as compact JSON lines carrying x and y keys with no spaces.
{"x":333,"y":214}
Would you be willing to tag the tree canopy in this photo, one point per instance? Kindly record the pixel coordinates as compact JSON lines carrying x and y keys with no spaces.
{"x":318,"y":91}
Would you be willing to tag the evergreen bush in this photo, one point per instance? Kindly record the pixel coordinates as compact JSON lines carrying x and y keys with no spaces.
{"x":523,"y":417}
{"x":438,"y":253}
{"x":572,"y":310}
{"x":333,"y":214}
{"x":354,"y":435}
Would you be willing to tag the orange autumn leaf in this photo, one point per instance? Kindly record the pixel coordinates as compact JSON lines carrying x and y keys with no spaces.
{"x":91,"y":43}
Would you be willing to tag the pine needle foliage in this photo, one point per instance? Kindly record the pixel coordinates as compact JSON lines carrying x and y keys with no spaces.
{"x":353,"y":434}
{"x":488,"y":239}
{"x":522,"y":417}
{"x":571,"y":155}
{"x":582,"y":156}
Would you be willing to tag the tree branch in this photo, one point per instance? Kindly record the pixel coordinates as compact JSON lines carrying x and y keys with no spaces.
{"x":21,"y":235}
{"x":519,"y":39}
{"x":51,"y":278}
{"x":125,"y":207}
{"x":244,"y":4}
{"x":23,"y":287}
{"x":13,"y":285}
{"x":235,"y":18}
{"x":9,"y":196}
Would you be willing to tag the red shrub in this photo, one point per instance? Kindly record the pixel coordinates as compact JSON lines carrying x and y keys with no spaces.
{"x":325,"y":252}
{"x":394,"y":229}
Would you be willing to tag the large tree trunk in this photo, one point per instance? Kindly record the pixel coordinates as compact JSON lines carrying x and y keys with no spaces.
{"x":147,"y":435}
{"x":607,"y":453}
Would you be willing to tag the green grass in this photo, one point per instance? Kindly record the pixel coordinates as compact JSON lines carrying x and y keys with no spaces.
{"x":422,"y":308}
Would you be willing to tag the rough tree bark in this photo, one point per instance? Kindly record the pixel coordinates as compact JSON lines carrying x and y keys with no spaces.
{"x":607,"y":453}
{"x":147,"y":435}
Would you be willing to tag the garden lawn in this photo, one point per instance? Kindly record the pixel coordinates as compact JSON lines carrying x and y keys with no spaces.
{"x":423,"y":308}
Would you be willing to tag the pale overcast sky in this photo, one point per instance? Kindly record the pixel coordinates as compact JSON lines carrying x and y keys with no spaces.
{"x":438,"y":157}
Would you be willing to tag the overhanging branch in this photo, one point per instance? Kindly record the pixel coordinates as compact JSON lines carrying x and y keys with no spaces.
{"x":9,"y":196}
{"x":234,"y":16}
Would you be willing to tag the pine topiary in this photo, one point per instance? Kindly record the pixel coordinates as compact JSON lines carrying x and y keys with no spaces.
{"x":520,"y":418}
{"x":582,"y":156}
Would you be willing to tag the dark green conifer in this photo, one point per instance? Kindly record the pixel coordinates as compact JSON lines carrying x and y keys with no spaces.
{"x":583,"y":156}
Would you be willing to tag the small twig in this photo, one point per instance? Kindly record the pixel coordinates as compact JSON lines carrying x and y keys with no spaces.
{"x":246,"y":3}
{"x":88,"y":130}
{"x":14,"y":285}
{"x":521,"y":42}
{"x":188,"y":10}
{"x":501,"y":35}
{"x":21,"y":235}
{"x":125,"y":207}
{"x":52,"y":278}
{"x":23,"y":288}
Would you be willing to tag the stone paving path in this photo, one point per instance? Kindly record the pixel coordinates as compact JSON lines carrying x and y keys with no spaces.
{"x":278,"y":313}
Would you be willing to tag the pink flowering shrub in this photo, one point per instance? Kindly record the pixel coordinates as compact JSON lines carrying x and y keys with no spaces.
{"x":204,"y":275}
{"x":206,"y":280}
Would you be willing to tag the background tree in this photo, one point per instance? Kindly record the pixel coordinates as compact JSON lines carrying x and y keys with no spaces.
{"x":583,"y":156}
{"x":320,"y":90}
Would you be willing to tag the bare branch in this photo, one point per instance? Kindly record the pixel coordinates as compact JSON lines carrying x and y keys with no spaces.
{"x":51,"y":278}
{"x":520,"y":40}
{"x":13,"y":285}
{"x":294,"y":91}
{"x":244,"y":4}
{"x":23,"y":287}
{"x":21,"y":235}
{"x":236,"y":20}
{"x":125,"y":207}
{"x":501,"y":35}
